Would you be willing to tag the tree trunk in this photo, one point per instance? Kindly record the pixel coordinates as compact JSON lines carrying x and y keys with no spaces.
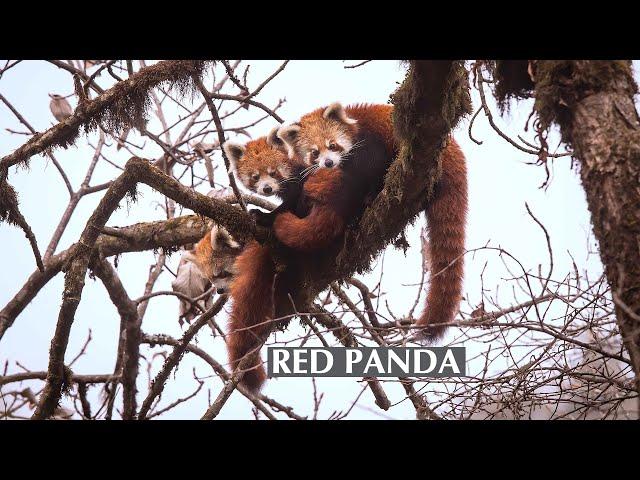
{"x":592,"y":101}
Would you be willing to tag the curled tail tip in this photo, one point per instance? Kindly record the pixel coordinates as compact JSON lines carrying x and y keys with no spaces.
{"x":254,"y":379}
{"x":254,"y":376}
{"x":429,"y":335}
{"x":430,"y":329}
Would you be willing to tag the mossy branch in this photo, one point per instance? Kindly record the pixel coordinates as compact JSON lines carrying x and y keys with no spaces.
{"x":428,"y":105}
{"x":136,"y":171}
{"x":430,"y":102}
{"x":124,"y":105}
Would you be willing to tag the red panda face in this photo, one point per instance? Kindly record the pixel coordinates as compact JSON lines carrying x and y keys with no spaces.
{"x":261,"y":165}
{"x":322,"y":138}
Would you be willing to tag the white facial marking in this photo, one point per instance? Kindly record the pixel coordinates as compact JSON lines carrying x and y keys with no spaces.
{"x":344,"y":142}
{"x":234,"y":152}
{"x":267,"y":185}
{"x":337,"y":111}
{"x":284,"y":171}
{"x":288,"y":135}
{"x":331,"y":159}
{"x":245,"y":180}
{"x":220,"y":238}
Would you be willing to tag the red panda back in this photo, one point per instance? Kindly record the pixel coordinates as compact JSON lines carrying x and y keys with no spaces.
{"x":375,"y":118}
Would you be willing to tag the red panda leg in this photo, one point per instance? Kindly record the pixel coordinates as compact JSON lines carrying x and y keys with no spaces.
{"x":446,"y":219}
{"x":315,"y":231}
{"x":251,"y":292}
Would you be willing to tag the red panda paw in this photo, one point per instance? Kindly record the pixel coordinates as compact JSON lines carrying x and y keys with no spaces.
{"x":287,"y":228}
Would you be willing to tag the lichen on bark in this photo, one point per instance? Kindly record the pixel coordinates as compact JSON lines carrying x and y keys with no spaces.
{"x":560,"y":85}
{"x":592,"y":102}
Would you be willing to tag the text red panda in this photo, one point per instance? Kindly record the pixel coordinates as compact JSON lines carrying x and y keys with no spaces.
{"x":360,"y":141}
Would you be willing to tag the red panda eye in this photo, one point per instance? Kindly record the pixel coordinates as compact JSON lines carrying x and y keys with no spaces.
{"x":314,"y":153}
{"x":255,"y":177}
{"x":333,"y":147}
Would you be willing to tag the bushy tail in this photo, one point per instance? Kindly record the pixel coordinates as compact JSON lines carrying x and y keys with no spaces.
{"x":446,"y":220}
{"x":251,"y":292}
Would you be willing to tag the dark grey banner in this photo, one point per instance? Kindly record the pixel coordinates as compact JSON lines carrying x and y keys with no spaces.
{"x":434,"y":362}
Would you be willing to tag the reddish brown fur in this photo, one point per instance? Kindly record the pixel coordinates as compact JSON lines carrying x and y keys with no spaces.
{"x":252,"y":288}
{"x":315,"y":231}
{"x":372,"y":118}
{"x":204,"y":253}
{"x":323,"y":224}
{"x":323,"y":185}
{"x":446,"y":219}
{"x":251,"y":310}
{"x":376,"y":119}
{"x":446,"y":212}
{"x":259,"y":156}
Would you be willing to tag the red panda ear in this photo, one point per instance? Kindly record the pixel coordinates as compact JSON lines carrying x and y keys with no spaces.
{"x":274,"y":141}
{"x":289,"y":134}
{"x":336,"y":111}
{"x":234,"y":151}
{"x":220,"y":238}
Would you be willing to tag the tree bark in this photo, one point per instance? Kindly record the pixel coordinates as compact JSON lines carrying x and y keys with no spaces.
{"x":592,"y":102}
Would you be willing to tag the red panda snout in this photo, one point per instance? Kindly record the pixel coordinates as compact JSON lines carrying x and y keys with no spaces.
{"x":329,"y":159}
{"x":267,"y":186}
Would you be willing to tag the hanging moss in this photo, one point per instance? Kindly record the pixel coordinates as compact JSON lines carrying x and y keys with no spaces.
{"x":124,"y":105}
{"x":131,"y":99}
{"x":559,"y":85}
{"x":8,"y":203}
{"x":512,"y":81}
{"x":131,"y":197}
{"x":67,"y":380}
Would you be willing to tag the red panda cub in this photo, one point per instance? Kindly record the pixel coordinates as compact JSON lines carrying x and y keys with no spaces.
{"x":263,"y":167}
{"x":359,"y":140}
{"x":209,"y":263}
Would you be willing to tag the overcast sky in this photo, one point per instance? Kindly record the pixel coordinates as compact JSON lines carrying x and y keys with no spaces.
{"x":500,"y":182}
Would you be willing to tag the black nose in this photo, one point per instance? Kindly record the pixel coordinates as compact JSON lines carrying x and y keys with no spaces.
{"x":220,"y":291}
{"x":267,"y":189}
{"x":328,"y":163}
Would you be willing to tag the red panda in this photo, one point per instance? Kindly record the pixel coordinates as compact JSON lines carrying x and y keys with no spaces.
{"x":209,"y":262}
{"x":262,"y":166}
{"x":359,"y":139}
{"x":361,"y":144}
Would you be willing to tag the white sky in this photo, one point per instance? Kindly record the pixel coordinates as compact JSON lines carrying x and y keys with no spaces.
{"x":500,"y":183}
